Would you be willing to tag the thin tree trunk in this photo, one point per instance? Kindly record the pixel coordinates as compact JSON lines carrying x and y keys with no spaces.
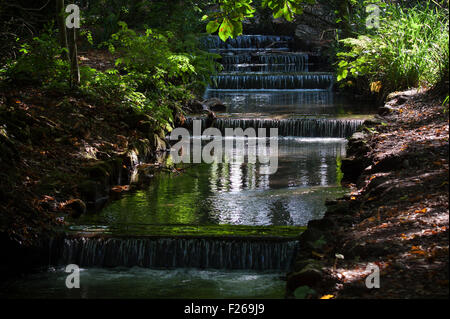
{"x":74,"y":67}
{"x":68,"y":40}
{"x":344,"y":15}
{"x":62,"y":28}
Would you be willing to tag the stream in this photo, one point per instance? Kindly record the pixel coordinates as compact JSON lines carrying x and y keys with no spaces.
{"x":117,"y":249}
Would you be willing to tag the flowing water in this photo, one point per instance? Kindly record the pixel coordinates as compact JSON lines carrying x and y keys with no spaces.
{"x":126,"y":250}
{"x":136,"y":282}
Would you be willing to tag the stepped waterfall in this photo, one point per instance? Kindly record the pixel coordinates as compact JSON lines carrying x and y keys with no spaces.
{"x":254,"y":217}
{"x":257,"y":68}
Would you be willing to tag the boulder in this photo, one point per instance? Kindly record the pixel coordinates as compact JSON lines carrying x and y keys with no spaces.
{"x":372,"y":122}
{"x":306,"y":33}
{"x":323,"y":224}
{"x":146,"y":127}
{"x":311,"y":235}
{"x":196,"y":106}
{"x":98,"y":171}
{"x":215,"y":105}
{"x":137,"y":120}
{"x":339,"y":208}
{"x":308,"y":276}
{"x":352,"y":167}
{"x":384,"y":110}
{"x":300,"y":264}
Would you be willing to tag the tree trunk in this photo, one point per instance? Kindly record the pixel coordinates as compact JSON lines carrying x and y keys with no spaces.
{"x":68,"y":40}
{"x":344,"y":15}
{"x":74,"y":67}
{"x":62,"y":28}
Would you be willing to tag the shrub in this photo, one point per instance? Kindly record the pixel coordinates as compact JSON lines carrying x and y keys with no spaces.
{"x":410,"y":49}
{"x":40,"y":63}
{"x":162,"y":58}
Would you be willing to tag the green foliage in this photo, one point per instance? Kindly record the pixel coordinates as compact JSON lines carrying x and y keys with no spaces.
{"x":409,"y":49}
{"x":181,"y":17}
{"x":40,"y":63}
{"x":227,"y":20}
{"x":156,"y":60}
{"x":151,"y":54}
{"x":445,"y":104}
{"x":285,"y":8}
{"x":155,"y":73}
{"x":121,"y":91}
{"x":339,"y":174}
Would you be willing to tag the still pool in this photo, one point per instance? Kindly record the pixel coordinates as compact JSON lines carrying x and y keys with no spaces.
{"x":237,"y":192}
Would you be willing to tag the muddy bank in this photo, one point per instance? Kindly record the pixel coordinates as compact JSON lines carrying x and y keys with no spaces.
{"x":396,"y":216}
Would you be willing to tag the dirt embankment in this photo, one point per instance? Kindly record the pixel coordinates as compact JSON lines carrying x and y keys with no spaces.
{"x":65,"y":155}
{"x":396,"y":217}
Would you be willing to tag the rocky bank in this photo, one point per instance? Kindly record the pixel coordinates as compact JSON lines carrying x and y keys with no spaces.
{"x":396,"y":216}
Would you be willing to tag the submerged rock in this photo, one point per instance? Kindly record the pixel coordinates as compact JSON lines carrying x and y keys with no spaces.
{"x":215,"y":105}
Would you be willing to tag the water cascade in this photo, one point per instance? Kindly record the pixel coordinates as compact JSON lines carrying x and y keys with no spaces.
{"x":175,"y":253}
{"x":263,"y":85}
{"x":263,"y":81}
{"x":286,"y":127}
{"x":248,"y":42}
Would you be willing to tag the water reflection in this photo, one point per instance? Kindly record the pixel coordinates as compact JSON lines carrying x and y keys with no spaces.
{"x":233,"y":191}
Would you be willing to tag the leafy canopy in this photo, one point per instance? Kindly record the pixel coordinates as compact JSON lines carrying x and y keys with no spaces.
{"x":227,"y":18}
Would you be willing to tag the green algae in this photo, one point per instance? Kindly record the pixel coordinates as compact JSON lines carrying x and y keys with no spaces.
{"x":215,"y":231}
